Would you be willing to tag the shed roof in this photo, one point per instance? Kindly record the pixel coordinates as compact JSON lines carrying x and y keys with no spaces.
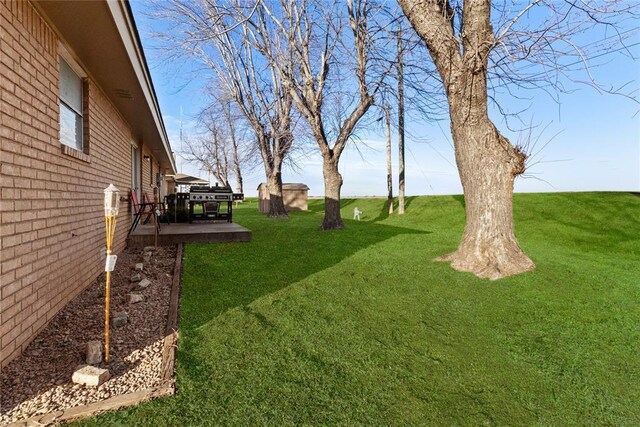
{"x":288,"y":186}
{"x":184,"y":179}
{"x":294,"y":186}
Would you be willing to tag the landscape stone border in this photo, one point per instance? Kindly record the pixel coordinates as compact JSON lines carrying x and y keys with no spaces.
{"x":166,"y":388}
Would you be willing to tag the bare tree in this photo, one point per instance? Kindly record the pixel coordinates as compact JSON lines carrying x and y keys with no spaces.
{"x":214,"y":34}
{"x":306,"y":42}
{"x":414,"y":87}
{"x":233,"y":136}
{"x":223,"y":116}
{"x":210,"y":153}
{"x":266,"y":105}
{"x":467,"y":50}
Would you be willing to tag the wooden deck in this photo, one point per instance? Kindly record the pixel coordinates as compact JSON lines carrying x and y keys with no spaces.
{"x":198,"y":232}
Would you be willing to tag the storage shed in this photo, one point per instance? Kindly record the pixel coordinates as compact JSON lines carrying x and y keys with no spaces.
{"x":295,"y":197}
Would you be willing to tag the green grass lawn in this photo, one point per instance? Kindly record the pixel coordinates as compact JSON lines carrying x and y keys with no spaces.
{"x":360,"y":327}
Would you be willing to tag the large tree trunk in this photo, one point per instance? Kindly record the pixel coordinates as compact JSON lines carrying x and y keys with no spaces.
{"x":236,"y":158}
{"x":239,"y":185}
{"x":332,"y":184}
{"x":488,"y":164}
{"x":273,"y":172}
{"x":276,"y":201}
{"x":236,"y":169}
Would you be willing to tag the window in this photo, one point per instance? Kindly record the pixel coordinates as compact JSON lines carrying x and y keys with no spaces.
{"x":71,"y":121}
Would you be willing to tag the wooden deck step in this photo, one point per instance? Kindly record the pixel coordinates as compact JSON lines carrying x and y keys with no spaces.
{"x":197,"y":232}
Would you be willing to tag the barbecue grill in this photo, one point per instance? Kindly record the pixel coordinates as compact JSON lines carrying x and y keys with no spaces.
{"x":210,"y":199}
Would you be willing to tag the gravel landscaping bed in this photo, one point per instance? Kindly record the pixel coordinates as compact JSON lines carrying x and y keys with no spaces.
{"x":39,"y":381}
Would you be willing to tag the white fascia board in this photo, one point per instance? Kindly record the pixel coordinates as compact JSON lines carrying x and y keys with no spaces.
{"x":127,"y":32}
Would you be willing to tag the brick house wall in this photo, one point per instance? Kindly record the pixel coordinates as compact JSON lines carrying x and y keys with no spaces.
{"x":149,"y":169}
{"x":51,"y":214}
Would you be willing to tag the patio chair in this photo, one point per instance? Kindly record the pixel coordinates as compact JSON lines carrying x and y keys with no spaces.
{"x":140,"y":210}
{"x":159,"y":209}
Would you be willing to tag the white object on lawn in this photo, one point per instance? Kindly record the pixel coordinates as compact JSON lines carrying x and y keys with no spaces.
{"x":356,"y":213}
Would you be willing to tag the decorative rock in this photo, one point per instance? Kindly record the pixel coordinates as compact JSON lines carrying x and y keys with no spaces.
{"x":143,"y":284}
{"x":135,"y":298}
{"x":94,"y":352}
{"x":119,"y":319}
{"x":136,"y":278}
{"x":139,"y":266}
{"x":149,"y":248}
{"x":90,"y":375}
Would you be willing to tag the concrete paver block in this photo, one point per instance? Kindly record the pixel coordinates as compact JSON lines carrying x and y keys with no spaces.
{"x":90,"y":375}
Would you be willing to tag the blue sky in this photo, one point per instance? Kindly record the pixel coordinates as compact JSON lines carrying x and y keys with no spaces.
{"x":593,"y":138}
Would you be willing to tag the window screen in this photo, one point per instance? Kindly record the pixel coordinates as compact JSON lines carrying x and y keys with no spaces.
{"x":70,"y":107}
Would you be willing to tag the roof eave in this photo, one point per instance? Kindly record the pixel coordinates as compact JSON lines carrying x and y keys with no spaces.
{"x":103,"y":38}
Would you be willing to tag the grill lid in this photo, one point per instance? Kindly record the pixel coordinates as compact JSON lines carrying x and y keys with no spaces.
{"x":207,"y":189}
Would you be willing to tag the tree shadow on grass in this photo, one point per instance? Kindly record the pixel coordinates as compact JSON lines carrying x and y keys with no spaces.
{"x":579,"y":224}
{"x":347,"y":202}
{"x":220,"y":277}
{"x":408,"y":201}
{"x":315,"y":205}
{"x":384,"y":211}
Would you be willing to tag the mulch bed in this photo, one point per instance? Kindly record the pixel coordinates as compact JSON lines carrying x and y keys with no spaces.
{"x":39,"y":381}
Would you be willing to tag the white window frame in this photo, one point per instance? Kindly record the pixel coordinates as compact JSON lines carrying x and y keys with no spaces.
{"x":65,"y":56}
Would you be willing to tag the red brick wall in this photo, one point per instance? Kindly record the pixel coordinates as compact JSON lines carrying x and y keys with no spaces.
{"x":51,"y":215}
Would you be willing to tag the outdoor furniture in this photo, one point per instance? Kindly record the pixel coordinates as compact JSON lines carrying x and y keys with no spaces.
{"x":159,"y":209}
{"x":209,"y":200}
{"x":140,"y":210}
